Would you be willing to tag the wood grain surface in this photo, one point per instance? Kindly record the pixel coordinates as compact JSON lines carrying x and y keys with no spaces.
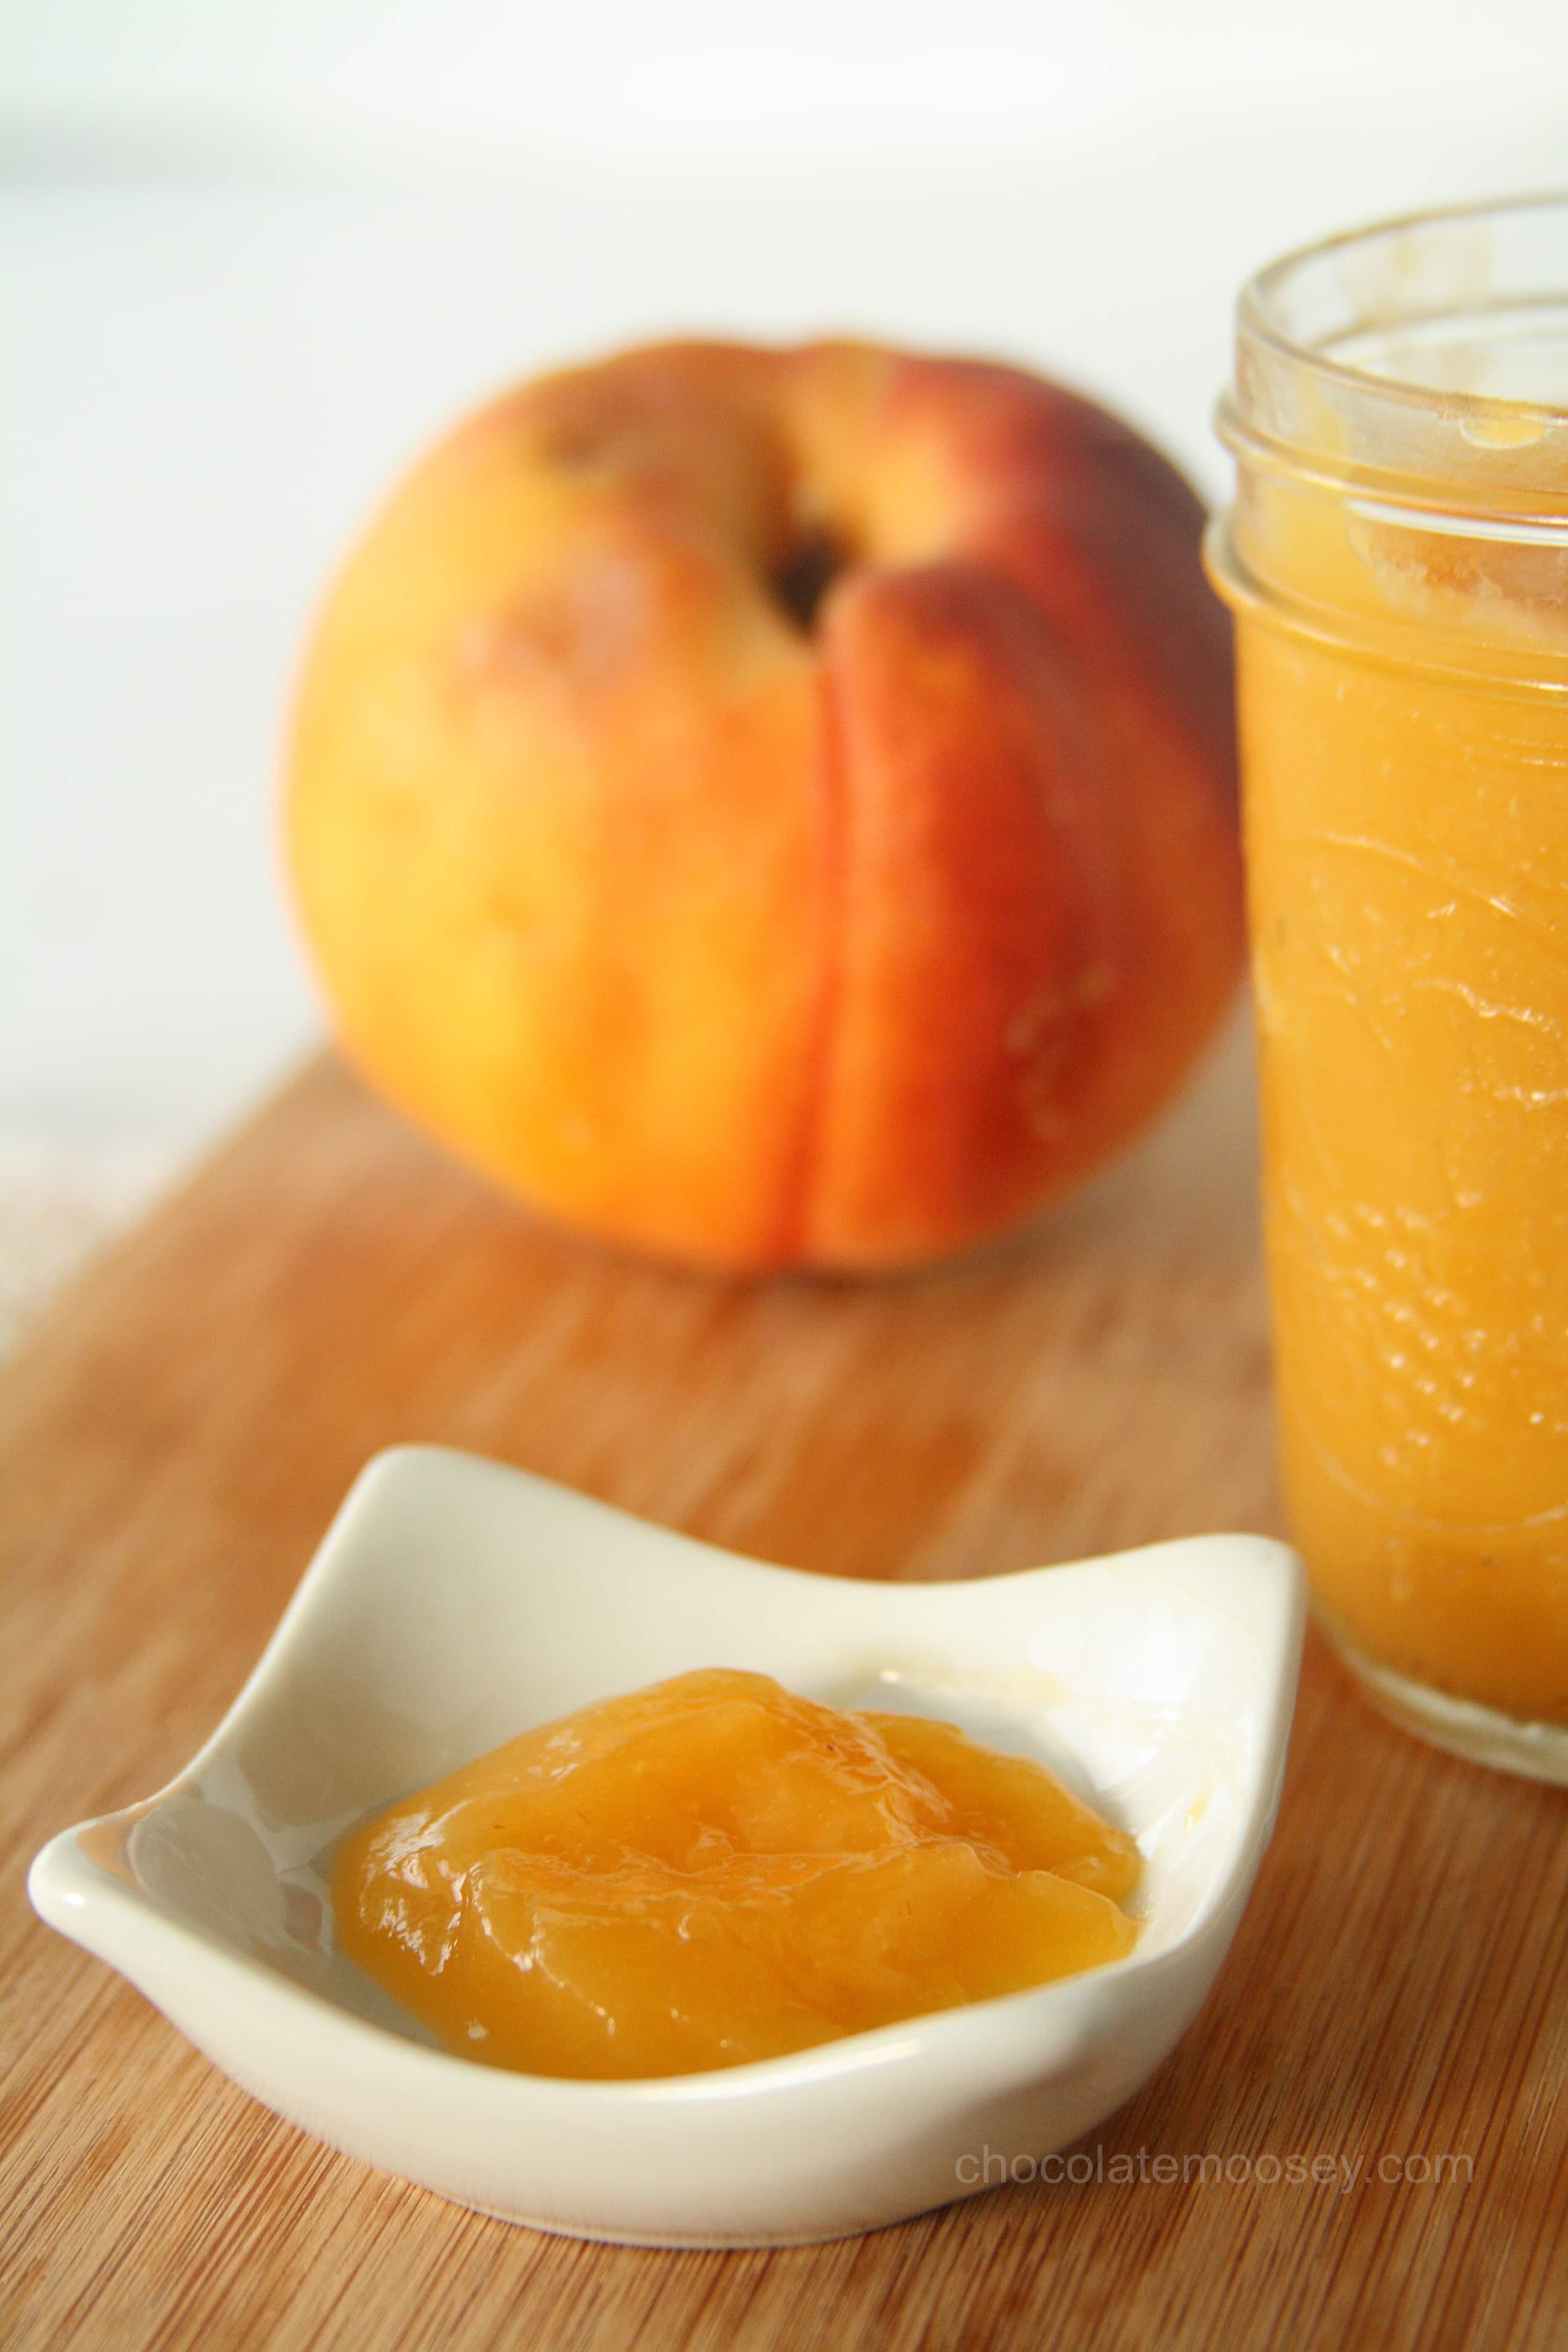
{"x":174,"y":1441}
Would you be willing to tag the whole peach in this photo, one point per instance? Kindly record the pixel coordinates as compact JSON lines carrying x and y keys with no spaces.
{"x":775,"y":807}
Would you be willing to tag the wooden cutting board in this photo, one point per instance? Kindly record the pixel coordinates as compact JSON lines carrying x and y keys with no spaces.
{"x":172,"y":1445}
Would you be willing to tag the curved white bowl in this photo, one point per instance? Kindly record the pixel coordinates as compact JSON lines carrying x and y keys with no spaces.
{"x":454,"y":1602}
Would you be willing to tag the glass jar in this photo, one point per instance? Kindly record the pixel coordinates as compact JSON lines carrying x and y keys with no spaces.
{"x":1396,"y":559}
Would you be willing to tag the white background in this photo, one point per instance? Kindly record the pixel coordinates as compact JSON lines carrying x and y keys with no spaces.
{"x":252,"y":256}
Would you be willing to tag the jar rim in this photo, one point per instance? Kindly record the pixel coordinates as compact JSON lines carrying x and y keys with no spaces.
{"x":1398,"y":360}
{"x":1260,"y":306}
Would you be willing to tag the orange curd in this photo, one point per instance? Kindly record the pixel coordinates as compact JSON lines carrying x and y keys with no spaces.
{"x":1398,"y":559}
{"x":712,"y":1871}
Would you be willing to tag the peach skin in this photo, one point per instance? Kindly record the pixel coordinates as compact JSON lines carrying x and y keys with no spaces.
{"x":775,"y":807}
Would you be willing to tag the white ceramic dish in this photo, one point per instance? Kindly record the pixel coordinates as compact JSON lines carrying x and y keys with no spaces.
{"x":454,"y":1602}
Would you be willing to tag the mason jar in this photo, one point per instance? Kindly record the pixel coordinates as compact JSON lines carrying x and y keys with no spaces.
{"x":1396,"y":559}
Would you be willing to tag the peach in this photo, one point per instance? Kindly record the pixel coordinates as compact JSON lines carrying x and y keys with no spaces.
{"x":775,"y":807}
